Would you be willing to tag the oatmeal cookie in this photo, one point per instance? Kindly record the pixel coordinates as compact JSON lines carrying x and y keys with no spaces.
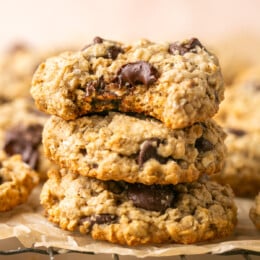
{"x":242,"y":165}
{"x":21,"y":126}
{"x":254,"y":213}
{"x":117,"y":146}
{"x":178,"y":83}
{"x":136,"y":214}
{"x":17,"y":180}
{"x":17,"y":66}
{"x":239,"y":109}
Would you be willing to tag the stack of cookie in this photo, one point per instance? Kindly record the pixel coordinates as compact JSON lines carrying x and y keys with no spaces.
{"x":132,"y":135}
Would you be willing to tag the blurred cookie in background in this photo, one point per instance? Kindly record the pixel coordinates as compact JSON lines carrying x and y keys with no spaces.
{"x":254,"y":213}
{"x":17,"y":180}
{"x":240,"y":106}
{"x":236,"y":54}
{"x":21,"y":128}
{"x":17,"y":65}
{"x":242,"y":166}
{"x":240,"y":116}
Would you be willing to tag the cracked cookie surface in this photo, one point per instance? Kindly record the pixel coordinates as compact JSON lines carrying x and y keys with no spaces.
{"x":117,"y":146}
{"x":136,"y":214}
{"x":178,"y":83}
{"x":17,"y":180}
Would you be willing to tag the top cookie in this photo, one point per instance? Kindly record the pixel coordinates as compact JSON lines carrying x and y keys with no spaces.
{"x":178,"y":83}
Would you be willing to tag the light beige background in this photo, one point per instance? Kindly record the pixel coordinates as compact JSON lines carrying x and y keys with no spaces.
{"x":57,"y":22}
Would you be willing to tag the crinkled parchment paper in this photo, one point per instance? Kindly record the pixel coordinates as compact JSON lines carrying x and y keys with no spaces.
{"x":28,"y":224}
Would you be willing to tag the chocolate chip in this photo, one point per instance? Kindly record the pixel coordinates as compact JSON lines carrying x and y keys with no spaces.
{"x":1,"y":180}
{"x":97,"y":40}
{"x":100,"y":219}
{"x":203,"y":145}
{"x":153,"y":197}
{"x":113,"y":51}
{"x":149,"y":150}
{"x":103,"y":92}
{"x":25,"y":141}
{"x":182,"y":48}
{"x":95,"y":86}
{"x":139,"y":72}
{"x":237,"y":132}
{"x":83,"y":151}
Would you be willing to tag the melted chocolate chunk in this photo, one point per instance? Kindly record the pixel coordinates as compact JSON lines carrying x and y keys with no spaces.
{"x":185,"y":47}
{"x":139,"y":72}
{"x":149,"y":150}
{"x":25,"y":141}
{"x":154,"y":197}
{"x":1,"y":180}
{"x":100,"y":219}
{"x":237,"y":132}
{"x":113,"y":51}
{"x":203,"y":145}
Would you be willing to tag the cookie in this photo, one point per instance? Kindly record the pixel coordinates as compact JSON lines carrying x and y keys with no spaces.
{"x":177,"y":83}
{"x":117,"y":146}
{"x":136,"y":214}
{"x":254,"y":213}
{"x":239,"y":109}
{"x":237,"y":53}
{"x":17,"y":66}
{"x":242,"y":165}
{"x":21,"y":126}
{"x":239,"y":115}
{"x":17,"y":180}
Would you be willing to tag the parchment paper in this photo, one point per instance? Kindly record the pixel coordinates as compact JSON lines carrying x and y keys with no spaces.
{"x":28,"y":224}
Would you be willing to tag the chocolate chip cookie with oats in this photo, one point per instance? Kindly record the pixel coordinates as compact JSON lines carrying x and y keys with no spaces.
{"x":177,"y":83}
{"x":124,"y":147}
{"x":17,"y":180}
{"x":21,"y":128}
{"x":136,"y":214}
